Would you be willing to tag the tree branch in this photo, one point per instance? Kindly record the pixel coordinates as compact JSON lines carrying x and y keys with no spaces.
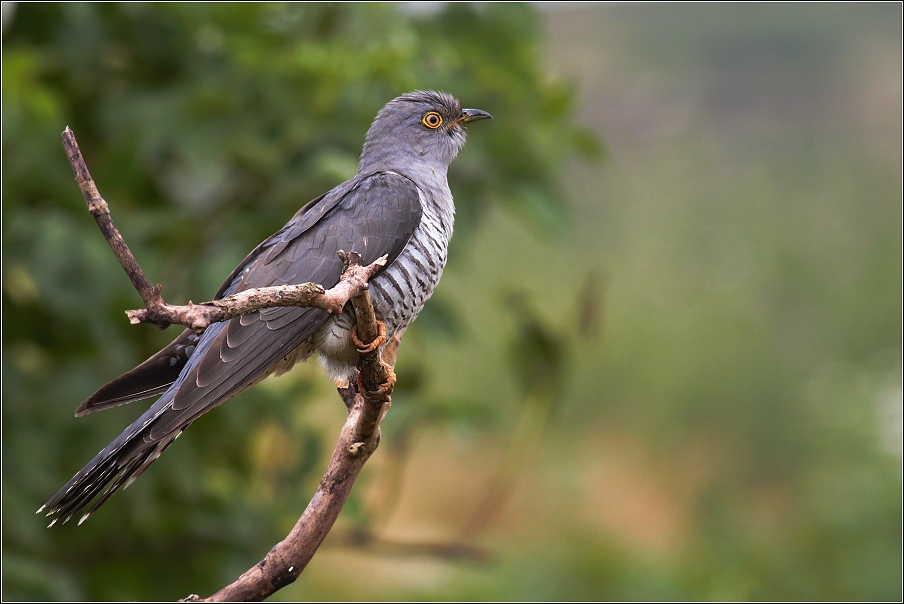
{"x":101,"y":212}
{"x":367,"y":402}
{"x":310,"y":295}
{"x":357,"y":441}
{"x":199,"y":316}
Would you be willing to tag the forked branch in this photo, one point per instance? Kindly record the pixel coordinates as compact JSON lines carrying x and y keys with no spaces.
{"x":366,"y":402}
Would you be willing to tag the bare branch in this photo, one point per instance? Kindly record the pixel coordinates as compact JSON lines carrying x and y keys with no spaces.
{"x":311,"y":295}
{"x":199,"y":316}
{"x":101,"y":212}
{"x":286,"y":561}
{"x":367,"y":403}
{"x":357,"y":441}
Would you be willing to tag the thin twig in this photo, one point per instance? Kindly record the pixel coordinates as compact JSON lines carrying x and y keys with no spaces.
{"x":101,"y":212}
{"x":309,"y":295}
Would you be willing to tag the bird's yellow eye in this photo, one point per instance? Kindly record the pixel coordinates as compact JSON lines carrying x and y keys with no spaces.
{"x":432,"y":120}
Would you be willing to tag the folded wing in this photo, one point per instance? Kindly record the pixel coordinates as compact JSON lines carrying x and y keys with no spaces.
{"x":374,"y":215}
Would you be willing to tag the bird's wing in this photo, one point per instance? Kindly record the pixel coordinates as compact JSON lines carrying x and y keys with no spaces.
{"x":156,"y":374}
{"x":373,"y":215}
{"x":377,"y":217}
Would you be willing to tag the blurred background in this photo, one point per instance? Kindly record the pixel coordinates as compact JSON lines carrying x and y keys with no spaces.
{"x":664,"y":361}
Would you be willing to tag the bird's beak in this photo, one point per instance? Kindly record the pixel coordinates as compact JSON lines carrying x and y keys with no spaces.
{"x":472,"y":115}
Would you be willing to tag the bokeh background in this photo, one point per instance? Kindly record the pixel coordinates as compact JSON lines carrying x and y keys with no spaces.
{"x":664,"y":361}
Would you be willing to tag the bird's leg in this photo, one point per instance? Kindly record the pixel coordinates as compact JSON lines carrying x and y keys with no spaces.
{"x":388,"y":359}
{"x":384,"y":389}
{"x":363,"y":348}
{"x":391,"y":350}
{"x":346,"y":393}
{"x":368,"y":353}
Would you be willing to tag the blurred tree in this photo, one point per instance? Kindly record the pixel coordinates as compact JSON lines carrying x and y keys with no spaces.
{"x":207,"y":127}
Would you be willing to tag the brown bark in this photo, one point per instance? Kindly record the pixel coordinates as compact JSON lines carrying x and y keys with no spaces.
{"x":366,"y":402}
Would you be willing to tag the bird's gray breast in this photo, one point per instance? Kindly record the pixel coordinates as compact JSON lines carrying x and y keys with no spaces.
{"x":400,"y":291}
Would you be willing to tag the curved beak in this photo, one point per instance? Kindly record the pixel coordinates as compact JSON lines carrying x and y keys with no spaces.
{"x":472,"y":115}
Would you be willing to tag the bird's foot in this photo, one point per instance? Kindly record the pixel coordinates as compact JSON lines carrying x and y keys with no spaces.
{"x":382,"y":390}
{"x":363,"y":348}
{"x":368,"y":355}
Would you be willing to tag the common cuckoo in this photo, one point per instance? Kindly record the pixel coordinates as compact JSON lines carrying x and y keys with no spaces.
{"x":398,"y":204}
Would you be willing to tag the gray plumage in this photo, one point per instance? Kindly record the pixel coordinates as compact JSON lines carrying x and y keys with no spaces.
{"x":398,"y":204}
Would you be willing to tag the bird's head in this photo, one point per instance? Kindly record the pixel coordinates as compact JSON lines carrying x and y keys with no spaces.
{"x":418,"y":130}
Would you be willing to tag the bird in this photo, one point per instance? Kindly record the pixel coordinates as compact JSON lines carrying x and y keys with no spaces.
{"x":398,"y":204}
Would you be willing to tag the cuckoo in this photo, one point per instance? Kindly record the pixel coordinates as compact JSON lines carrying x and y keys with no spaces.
{"x":398,"y":204}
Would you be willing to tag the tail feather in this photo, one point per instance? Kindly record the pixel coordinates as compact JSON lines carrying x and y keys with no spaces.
{"x":75,"y":497}
{"x":132,"y":471}
{"x":151,"y":378}
{"x":123,"y":460}
{"x":135,"y":449}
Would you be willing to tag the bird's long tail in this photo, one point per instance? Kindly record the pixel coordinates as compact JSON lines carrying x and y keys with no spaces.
{"x":117,"y":465}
